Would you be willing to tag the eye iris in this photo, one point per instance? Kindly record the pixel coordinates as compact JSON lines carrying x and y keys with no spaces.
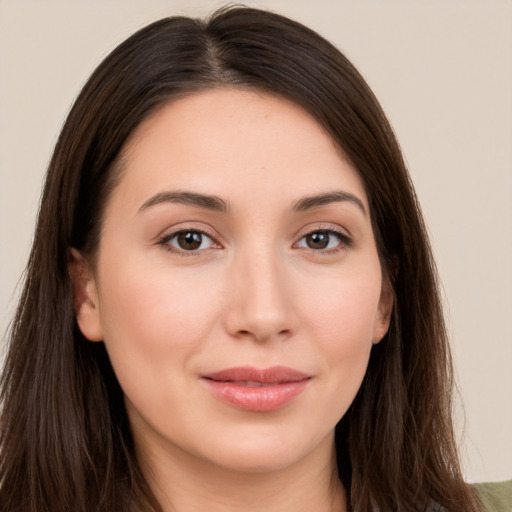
{"x":318,"y":240}
{"x":190,"y":240}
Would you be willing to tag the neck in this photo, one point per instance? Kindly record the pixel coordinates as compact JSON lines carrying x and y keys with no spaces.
{"x":184,"y":483}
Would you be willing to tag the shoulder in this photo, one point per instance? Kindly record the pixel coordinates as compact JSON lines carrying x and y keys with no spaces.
{"x":495,"y":496}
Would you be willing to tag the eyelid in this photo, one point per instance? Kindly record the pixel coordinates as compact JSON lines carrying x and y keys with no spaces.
{"x":169,"y":233}
{"x":322,"y":226}
{"x":199,"y":226}
{"x":343,"y":235}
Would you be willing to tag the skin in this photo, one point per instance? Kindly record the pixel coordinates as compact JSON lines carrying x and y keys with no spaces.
{"x":254,"y":293}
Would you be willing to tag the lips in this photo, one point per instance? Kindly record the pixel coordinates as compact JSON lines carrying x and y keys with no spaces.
{"x":258,"y":390}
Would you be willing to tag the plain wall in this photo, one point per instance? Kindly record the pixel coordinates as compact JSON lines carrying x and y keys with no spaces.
{"x":442,"y":70}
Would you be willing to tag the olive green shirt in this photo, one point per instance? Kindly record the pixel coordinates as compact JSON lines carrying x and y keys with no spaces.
{"x":496,"y":496}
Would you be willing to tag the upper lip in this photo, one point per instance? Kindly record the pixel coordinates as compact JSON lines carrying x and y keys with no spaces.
{"x":273,"y":375}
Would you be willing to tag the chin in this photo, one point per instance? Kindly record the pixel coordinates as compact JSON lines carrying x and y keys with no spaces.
{"x":267,"y":452}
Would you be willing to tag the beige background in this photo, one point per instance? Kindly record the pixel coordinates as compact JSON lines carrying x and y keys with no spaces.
{"x":443,"y":72}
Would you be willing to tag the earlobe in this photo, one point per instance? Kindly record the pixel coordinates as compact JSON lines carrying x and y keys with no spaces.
{"x":384,"y":312}
{"x":85,"y":296}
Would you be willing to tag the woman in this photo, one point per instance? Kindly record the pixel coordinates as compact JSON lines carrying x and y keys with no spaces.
{"x":231,"y":301}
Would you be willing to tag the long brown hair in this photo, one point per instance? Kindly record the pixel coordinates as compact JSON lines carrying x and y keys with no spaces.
{"x":65,"y":438}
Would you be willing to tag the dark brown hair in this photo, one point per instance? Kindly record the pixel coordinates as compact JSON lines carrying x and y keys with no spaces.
{"x":65,"y":438}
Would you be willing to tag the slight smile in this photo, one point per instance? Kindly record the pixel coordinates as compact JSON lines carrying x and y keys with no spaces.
{"x":257,"y":390}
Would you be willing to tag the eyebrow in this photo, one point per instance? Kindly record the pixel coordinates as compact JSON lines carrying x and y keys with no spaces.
{"x":337,"y":196}
{"x":215,"y":203}
{"x":208,"y":202}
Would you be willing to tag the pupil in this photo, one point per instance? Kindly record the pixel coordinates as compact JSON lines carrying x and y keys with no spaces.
{"x":318,"y":240}
{"x":189,"y":240}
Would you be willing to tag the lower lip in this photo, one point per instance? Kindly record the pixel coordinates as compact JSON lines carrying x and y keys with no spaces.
{"x":265,"y":398}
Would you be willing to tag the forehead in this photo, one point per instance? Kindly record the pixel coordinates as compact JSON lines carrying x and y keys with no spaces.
{"x":236,"y":141}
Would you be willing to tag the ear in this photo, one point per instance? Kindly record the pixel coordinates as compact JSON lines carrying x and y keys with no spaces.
{"x":384,"y":311}
{"x":85,"y":297}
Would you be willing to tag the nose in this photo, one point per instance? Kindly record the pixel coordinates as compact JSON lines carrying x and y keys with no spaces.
{"x":260,"y":303}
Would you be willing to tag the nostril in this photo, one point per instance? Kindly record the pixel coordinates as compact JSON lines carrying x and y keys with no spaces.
{"x":263,"y":334}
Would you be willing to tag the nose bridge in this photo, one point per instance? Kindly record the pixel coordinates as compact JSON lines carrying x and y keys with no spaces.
{"x":260,"y":305}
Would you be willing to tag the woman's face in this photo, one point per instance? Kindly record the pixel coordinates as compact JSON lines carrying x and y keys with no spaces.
{"x":237,"y":285}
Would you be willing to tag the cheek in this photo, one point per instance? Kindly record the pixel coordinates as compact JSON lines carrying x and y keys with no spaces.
{"x":154,"y":302}
{"x":340,"y":321}
{"x":345,"y":308}
{"x":154,"y":321}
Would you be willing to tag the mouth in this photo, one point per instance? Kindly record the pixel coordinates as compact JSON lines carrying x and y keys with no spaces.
{"x":257,"y":390}
{"x":251,"y":383}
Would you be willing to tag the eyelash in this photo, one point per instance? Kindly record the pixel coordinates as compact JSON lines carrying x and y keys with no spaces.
{"x":165,"y":241}
{"x":344,"y":241}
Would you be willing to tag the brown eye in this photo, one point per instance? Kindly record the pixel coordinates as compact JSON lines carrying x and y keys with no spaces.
{"x":188,"y":240}
{"x":318,"y":240}
{"x":323,"y":239}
